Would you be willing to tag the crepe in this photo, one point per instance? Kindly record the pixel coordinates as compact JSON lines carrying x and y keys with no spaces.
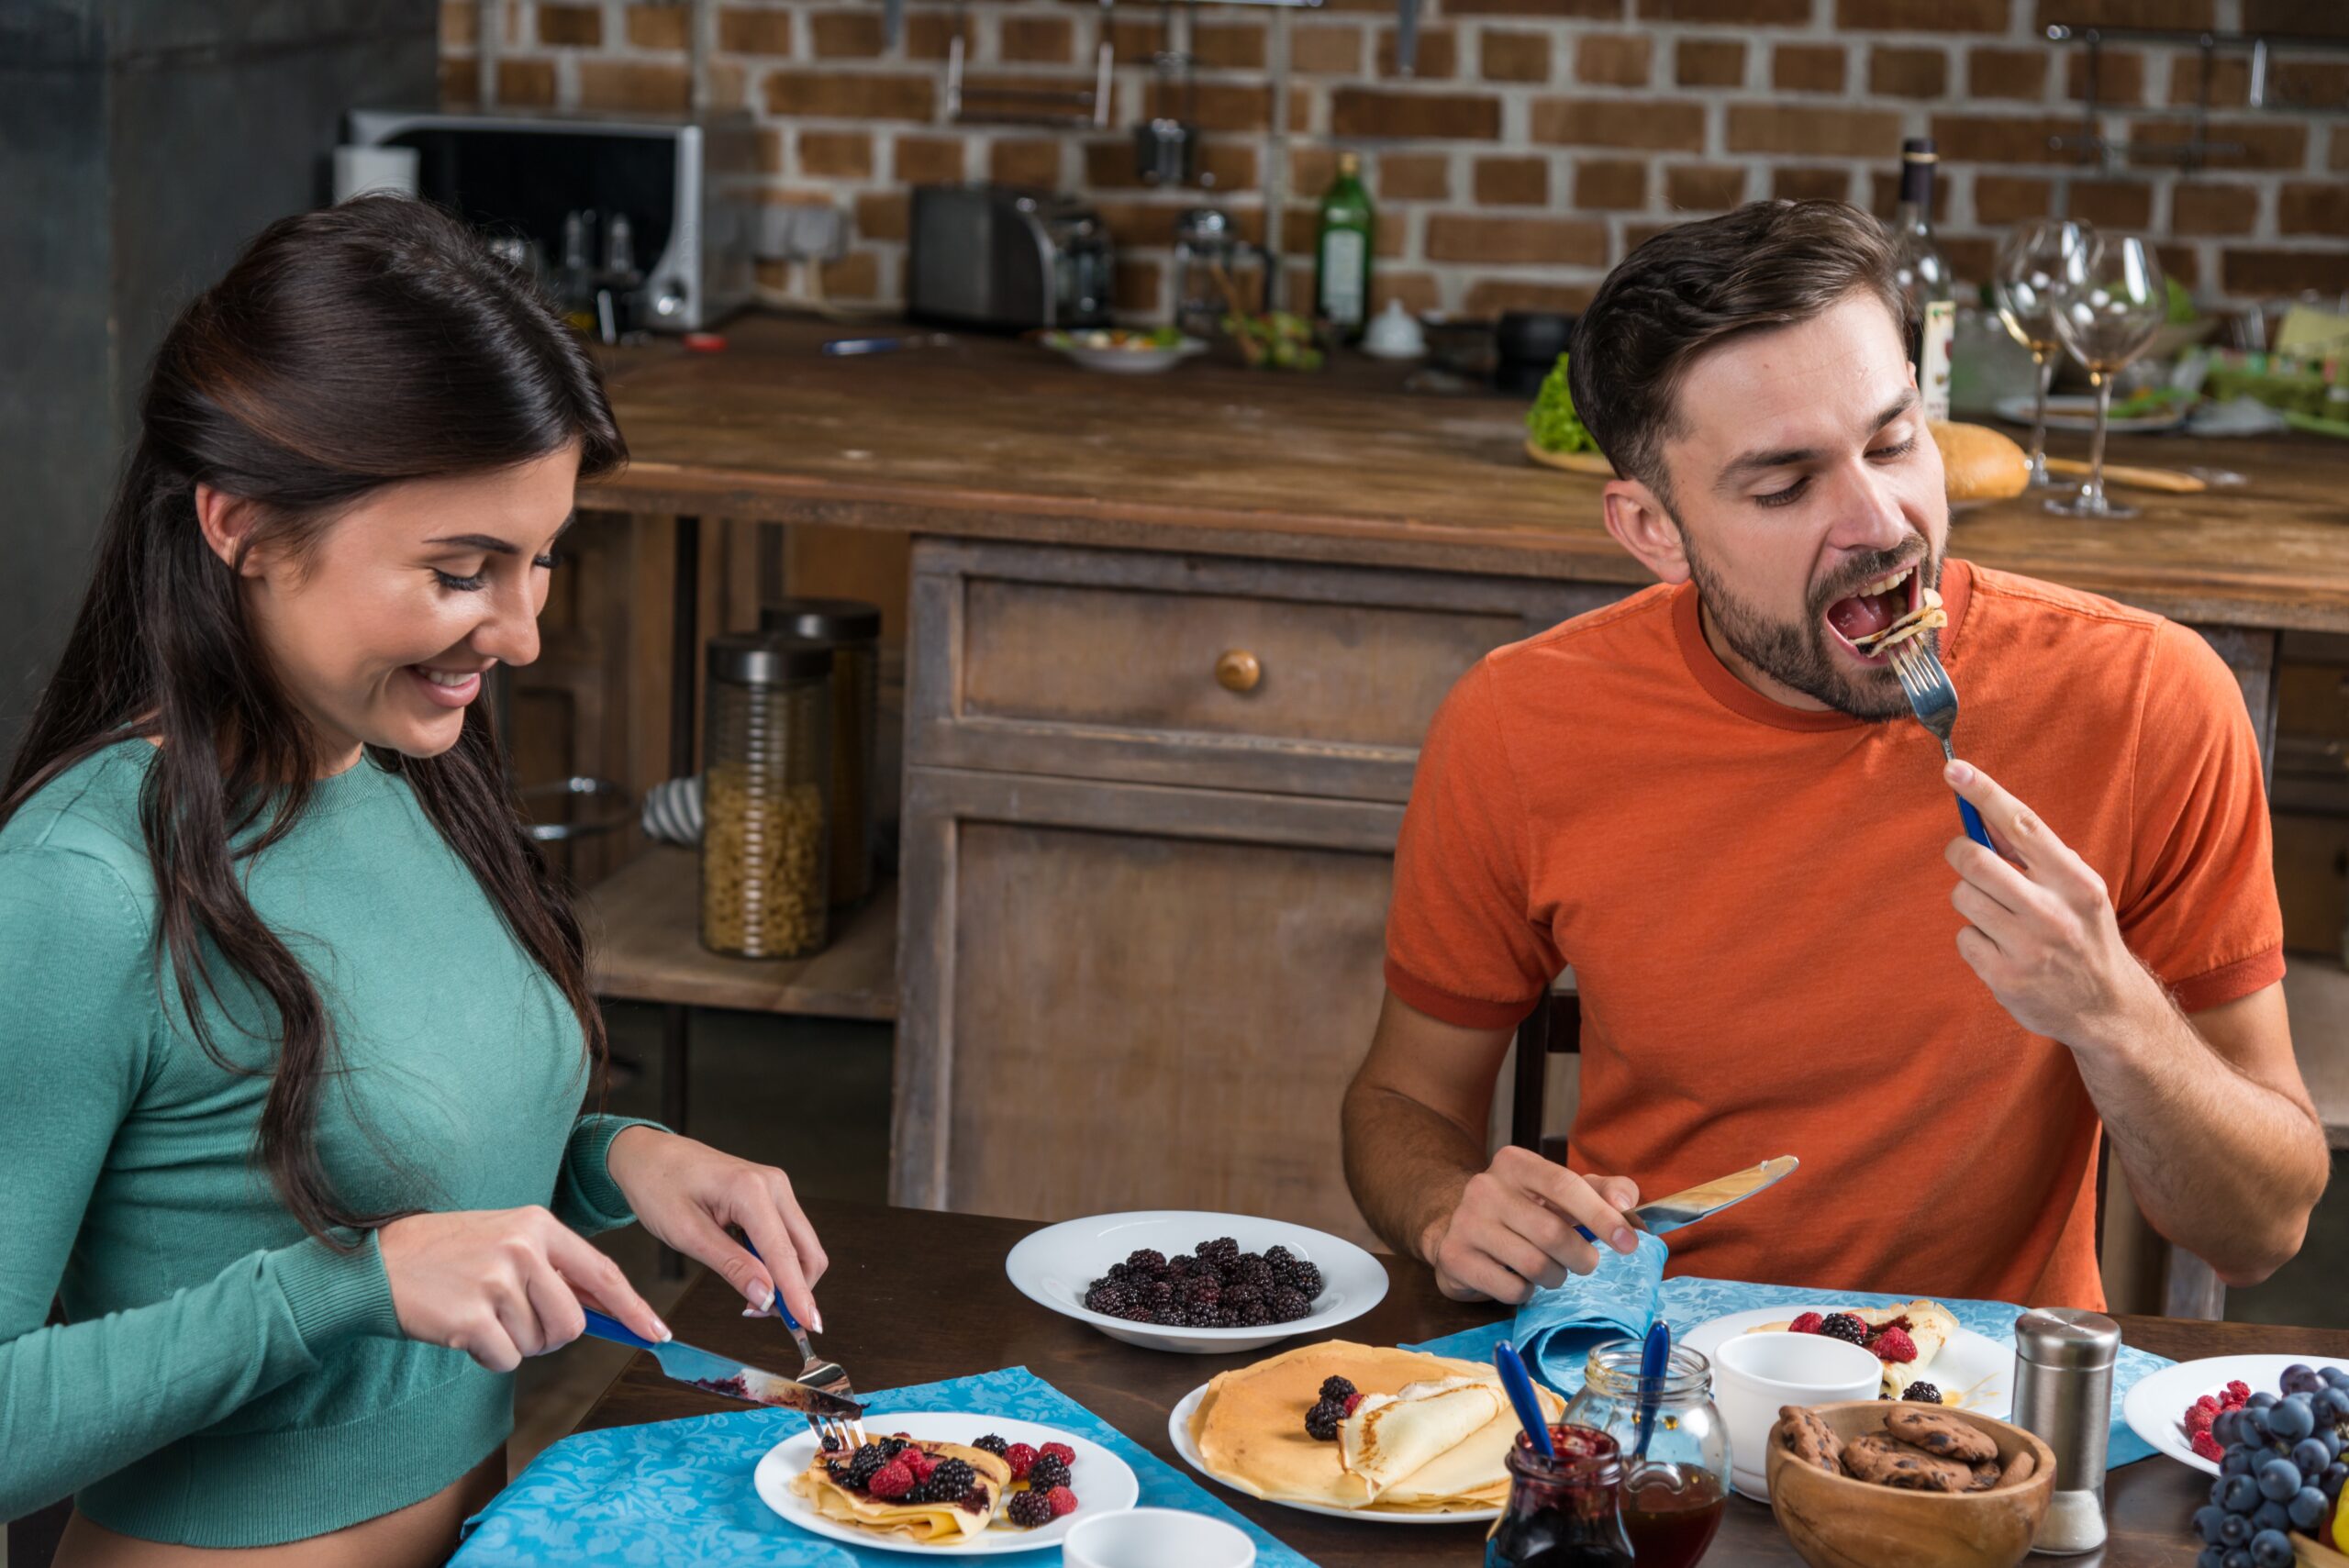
{"x":930,"y":1524}
{"x":1431,"y":1433}
{"x":1931,"y":1325}
{"x":1927,"y":616}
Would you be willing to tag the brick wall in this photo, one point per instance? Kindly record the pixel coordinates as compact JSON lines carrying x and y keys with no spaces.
{"x":1539,"y":140}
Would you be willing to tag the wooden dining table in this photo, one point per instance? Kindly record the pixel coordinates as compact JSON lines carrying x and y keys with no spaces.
{"x":914,"y":1296}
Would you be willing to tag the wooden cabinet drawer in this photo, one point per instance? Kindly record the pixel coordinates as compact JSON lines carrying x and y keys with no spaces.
{"x":1105,"y":664}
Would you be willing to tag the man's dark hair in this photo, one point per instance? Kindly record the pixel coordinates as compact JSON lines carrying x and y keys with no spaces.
{"x":1697,"y":285}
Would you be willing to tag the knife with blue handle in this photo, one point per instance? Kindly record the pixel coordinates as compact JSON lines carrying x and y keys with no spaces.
{"x":713,"y":1374}
{"x":1667,"y":1214}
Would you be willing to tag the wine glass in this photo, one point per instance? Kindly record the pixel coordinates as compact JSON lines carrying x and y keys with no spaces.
{"x":2030,"y":264}
{"x":2110,"y":299}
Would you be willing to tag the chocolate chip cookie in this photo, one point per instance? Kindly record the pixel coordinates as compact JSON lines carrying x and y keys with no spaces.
{"x":1885,"y":1460}
{"x":1945,"y":1436}
{"x":2019,"y":1468}
{"x":1809,"y":1439}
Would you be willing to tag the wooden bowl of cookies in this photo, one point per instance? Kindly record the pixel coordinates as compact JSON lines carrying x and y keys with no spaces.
{"x":1955,"y":1490}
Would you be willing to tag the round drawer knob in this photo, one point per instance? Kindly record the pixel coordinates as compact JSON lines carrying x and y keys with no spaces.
{"x":1238,"y":670}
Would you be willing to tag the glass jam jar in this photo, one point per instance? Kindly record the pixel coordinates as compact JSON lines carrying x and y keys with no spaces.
{"x":767,"y":763}
{"x":1675,"y":1496}
{"x":1563,"y":1512}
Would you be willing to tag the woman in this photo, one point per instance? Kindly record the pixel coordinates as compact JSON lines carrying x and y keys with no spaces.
{"x":297,"y":1023}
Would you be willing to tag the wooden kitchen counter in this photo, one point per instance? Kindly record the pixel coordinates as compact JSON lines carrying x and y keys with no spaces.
{"x":998,"y":440}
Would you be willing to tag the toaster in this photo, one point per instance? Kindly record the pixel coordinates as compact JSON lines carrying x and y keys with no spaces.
{"x":1004,"y":259}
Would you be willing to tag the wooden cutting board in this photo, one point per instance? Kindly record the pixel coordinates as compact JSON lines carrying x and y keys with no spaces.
{"x":1593,"y":464}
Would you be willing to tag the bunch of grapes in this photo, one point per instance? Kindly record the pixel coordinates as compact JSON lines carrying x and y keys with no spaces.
{"x":2282,"y":1470}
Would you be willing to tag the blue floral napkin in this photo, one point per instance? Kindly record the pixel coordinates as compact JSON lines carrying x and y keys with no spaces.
{"x":679,"y":1492}
{"x":1556,"y":1330}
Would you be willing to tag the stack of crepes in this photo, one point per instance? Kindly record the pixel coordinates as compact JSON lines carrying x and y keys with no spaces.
{"x":1431,"y":1434}
{"x":930,"y":1524}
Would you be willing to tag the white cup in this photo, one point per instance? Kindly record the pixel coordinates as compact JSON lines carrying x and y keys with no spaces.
{"x":1157,"y":1538}
{"x":1754,"y":1374}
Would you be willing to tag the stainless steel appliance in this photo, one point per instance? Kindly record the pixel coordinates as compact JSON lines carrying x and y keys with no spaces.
{"x":1006,"y":259}
{"x":653,"y":213}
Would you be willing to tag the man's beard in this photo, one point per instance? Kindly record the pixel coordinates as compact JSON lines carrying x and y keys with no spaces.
{"x":1798,"y":657}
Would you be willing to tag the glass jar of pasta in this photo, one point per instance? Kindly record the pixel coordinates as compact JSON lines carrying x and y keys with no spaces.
{"x":851,"y":629}
{"x":767,"y":766}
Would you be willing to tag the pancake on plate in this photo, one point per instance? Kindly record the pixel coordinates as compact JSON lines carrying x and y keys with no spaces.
{"x":827,"y":1483}
{"x":1928,"y":1323}
{"x":1431,"y":1433}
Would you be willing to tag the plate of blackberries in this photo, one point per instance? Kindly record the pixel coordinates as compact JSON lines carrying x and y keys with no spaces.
{"x":1207,"y":1283}
{"x":1057,"y":1479}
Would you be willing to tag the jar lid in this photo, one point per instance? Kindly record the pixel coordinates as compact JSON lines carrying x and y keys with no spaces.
{"x":823,"y":620}
{"x":2067,"y":1337}
{"x":763,"y":659}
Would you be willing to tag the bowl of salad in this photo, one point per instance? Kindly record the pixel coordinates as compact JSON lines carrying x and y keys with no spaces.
{"x":1124,"y":351}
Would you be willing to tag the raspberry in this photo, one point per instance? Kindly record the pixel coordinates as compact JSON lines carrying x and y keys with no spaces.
{"x":890,"y":1482}
{"x":1349,"y":1403}
{"x":1843,"y":1326}
{"x":1894,"y":1345}
{"x":1062,"y":1500}
{"x":2208,"y":1448}
{"x":1022,"y":1458}
{"x":1060,"y":1452}
{"x":921,"y":1463}
{"x":1029,"y":1509}
{"x":2236,"y":1394}
{"x":1807,"y":1324}
{"x":2200,"y":1414}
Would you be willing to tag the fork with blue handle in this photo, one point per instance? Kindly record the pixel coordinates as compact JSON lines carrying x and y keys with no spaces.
{"x":814,"y":1371}
{"x":1933,"y":700}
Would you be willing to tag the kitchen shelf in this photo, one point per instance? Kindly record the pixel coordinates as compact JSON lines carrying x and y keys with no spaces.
{"x":643,"y":931}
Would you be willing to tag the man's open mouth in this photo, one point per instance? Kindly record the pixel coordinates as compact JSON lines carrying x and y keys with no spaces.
{"x":1861,"y":620}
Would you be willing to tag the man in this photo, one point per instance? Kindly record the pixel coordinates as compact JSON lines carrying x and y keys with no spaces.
{"x":1717,"y":810}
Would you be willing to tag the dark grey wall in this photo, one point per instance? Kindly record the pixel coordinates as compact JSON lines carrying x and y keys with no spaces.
{"x":142,"y":142}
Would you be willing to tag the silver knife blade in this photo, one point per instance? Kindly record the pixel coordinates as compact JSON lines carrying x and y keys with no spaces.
{"x":1668,"y":1214}
{"x":713,"y":1374}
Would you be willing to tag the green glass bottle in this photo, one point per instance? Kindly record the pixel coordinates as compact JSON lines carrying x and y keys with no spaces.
{"x":1341,"y":248}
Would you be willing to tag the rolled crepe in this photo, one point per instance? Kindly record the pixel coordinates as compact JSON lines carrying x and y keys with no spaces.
{"x":928,"y":1523}
{"x":1931,"y":1325}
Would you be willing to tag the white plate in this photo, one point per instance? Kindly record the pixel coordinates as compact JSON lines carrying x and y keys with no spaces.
{"x":2155,"y":1407}
{"x":1056,"y":1264}
{"x":1178,"y":1431}
{"x":1973,"y":1371}
{"x":1128,"y":362}
{"x":2071,"y":411}
{"x":1103,"y":1483}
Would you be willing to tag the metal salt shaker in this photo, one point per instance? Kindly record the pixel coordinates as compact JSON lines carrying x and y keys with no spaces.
{"x":2064,"y":1395}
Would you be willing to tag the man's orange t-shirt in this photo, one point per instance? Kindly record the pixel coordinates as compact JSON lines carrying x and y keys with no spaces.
{"x":1755,"y":906}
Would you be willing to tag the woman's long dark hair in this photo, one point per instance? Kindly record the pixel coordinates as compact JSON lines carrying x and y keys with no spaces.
{"x":348,"y":349}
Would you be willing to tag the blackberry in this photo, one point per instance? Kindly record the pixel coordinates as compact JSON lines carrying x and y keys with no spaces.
{"x":1147,"y":1262}
{"x":1321,"y":1422}
{"x":1241,"y":1297}
{"x":1303,"y":1278}
{"x":1201,"y":1290}
{"x":1288,"y":1305}
{"x":1029,"y":1510}
{"x":1923,"y":1394}
{"x":1254,"y":1271}
{"x":1108,"y":1298}
{"x":1200,"y":1317}
{"x":831,"y":1442}
{"x":1171,"y":1317}
{"x":1845,"y":1326}
{"x":1255,"y":1315}
{"x":1138,"y":1313}
{"x":837,"y":1471}
{"x":865,"y":1463}
{"x":950,"y":1480}
{"x":1220,"y":1252}
{"x":1158,"y":1292}
{"x":1049,"y":1471}
{"x":992,"y":1444}
{"x":1280,"y":1257}
{"x":1338,"y":1388}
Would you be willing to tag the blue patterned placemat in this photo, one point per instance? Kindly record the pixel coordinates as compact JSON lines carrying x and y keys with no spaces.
{"x":1556,"y":1330}
{"x":679,"y":1492}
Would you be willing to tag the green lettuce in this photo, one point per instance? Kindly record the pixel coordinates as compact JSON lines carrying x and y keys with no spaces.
{"x":1551,"y":418}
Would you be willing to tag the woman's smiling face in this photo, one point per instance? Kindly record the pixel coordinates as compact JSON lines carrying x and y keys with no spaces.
{"x":382,"y":630}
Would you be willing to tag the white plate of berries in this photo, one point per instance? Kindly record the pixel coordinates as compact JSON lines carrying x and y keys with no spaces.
{"x":2178,"y":1408}
{"x":1205,"y":1283}
{"x":1972,"y":1371}
{"x":1085,"y":1481}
